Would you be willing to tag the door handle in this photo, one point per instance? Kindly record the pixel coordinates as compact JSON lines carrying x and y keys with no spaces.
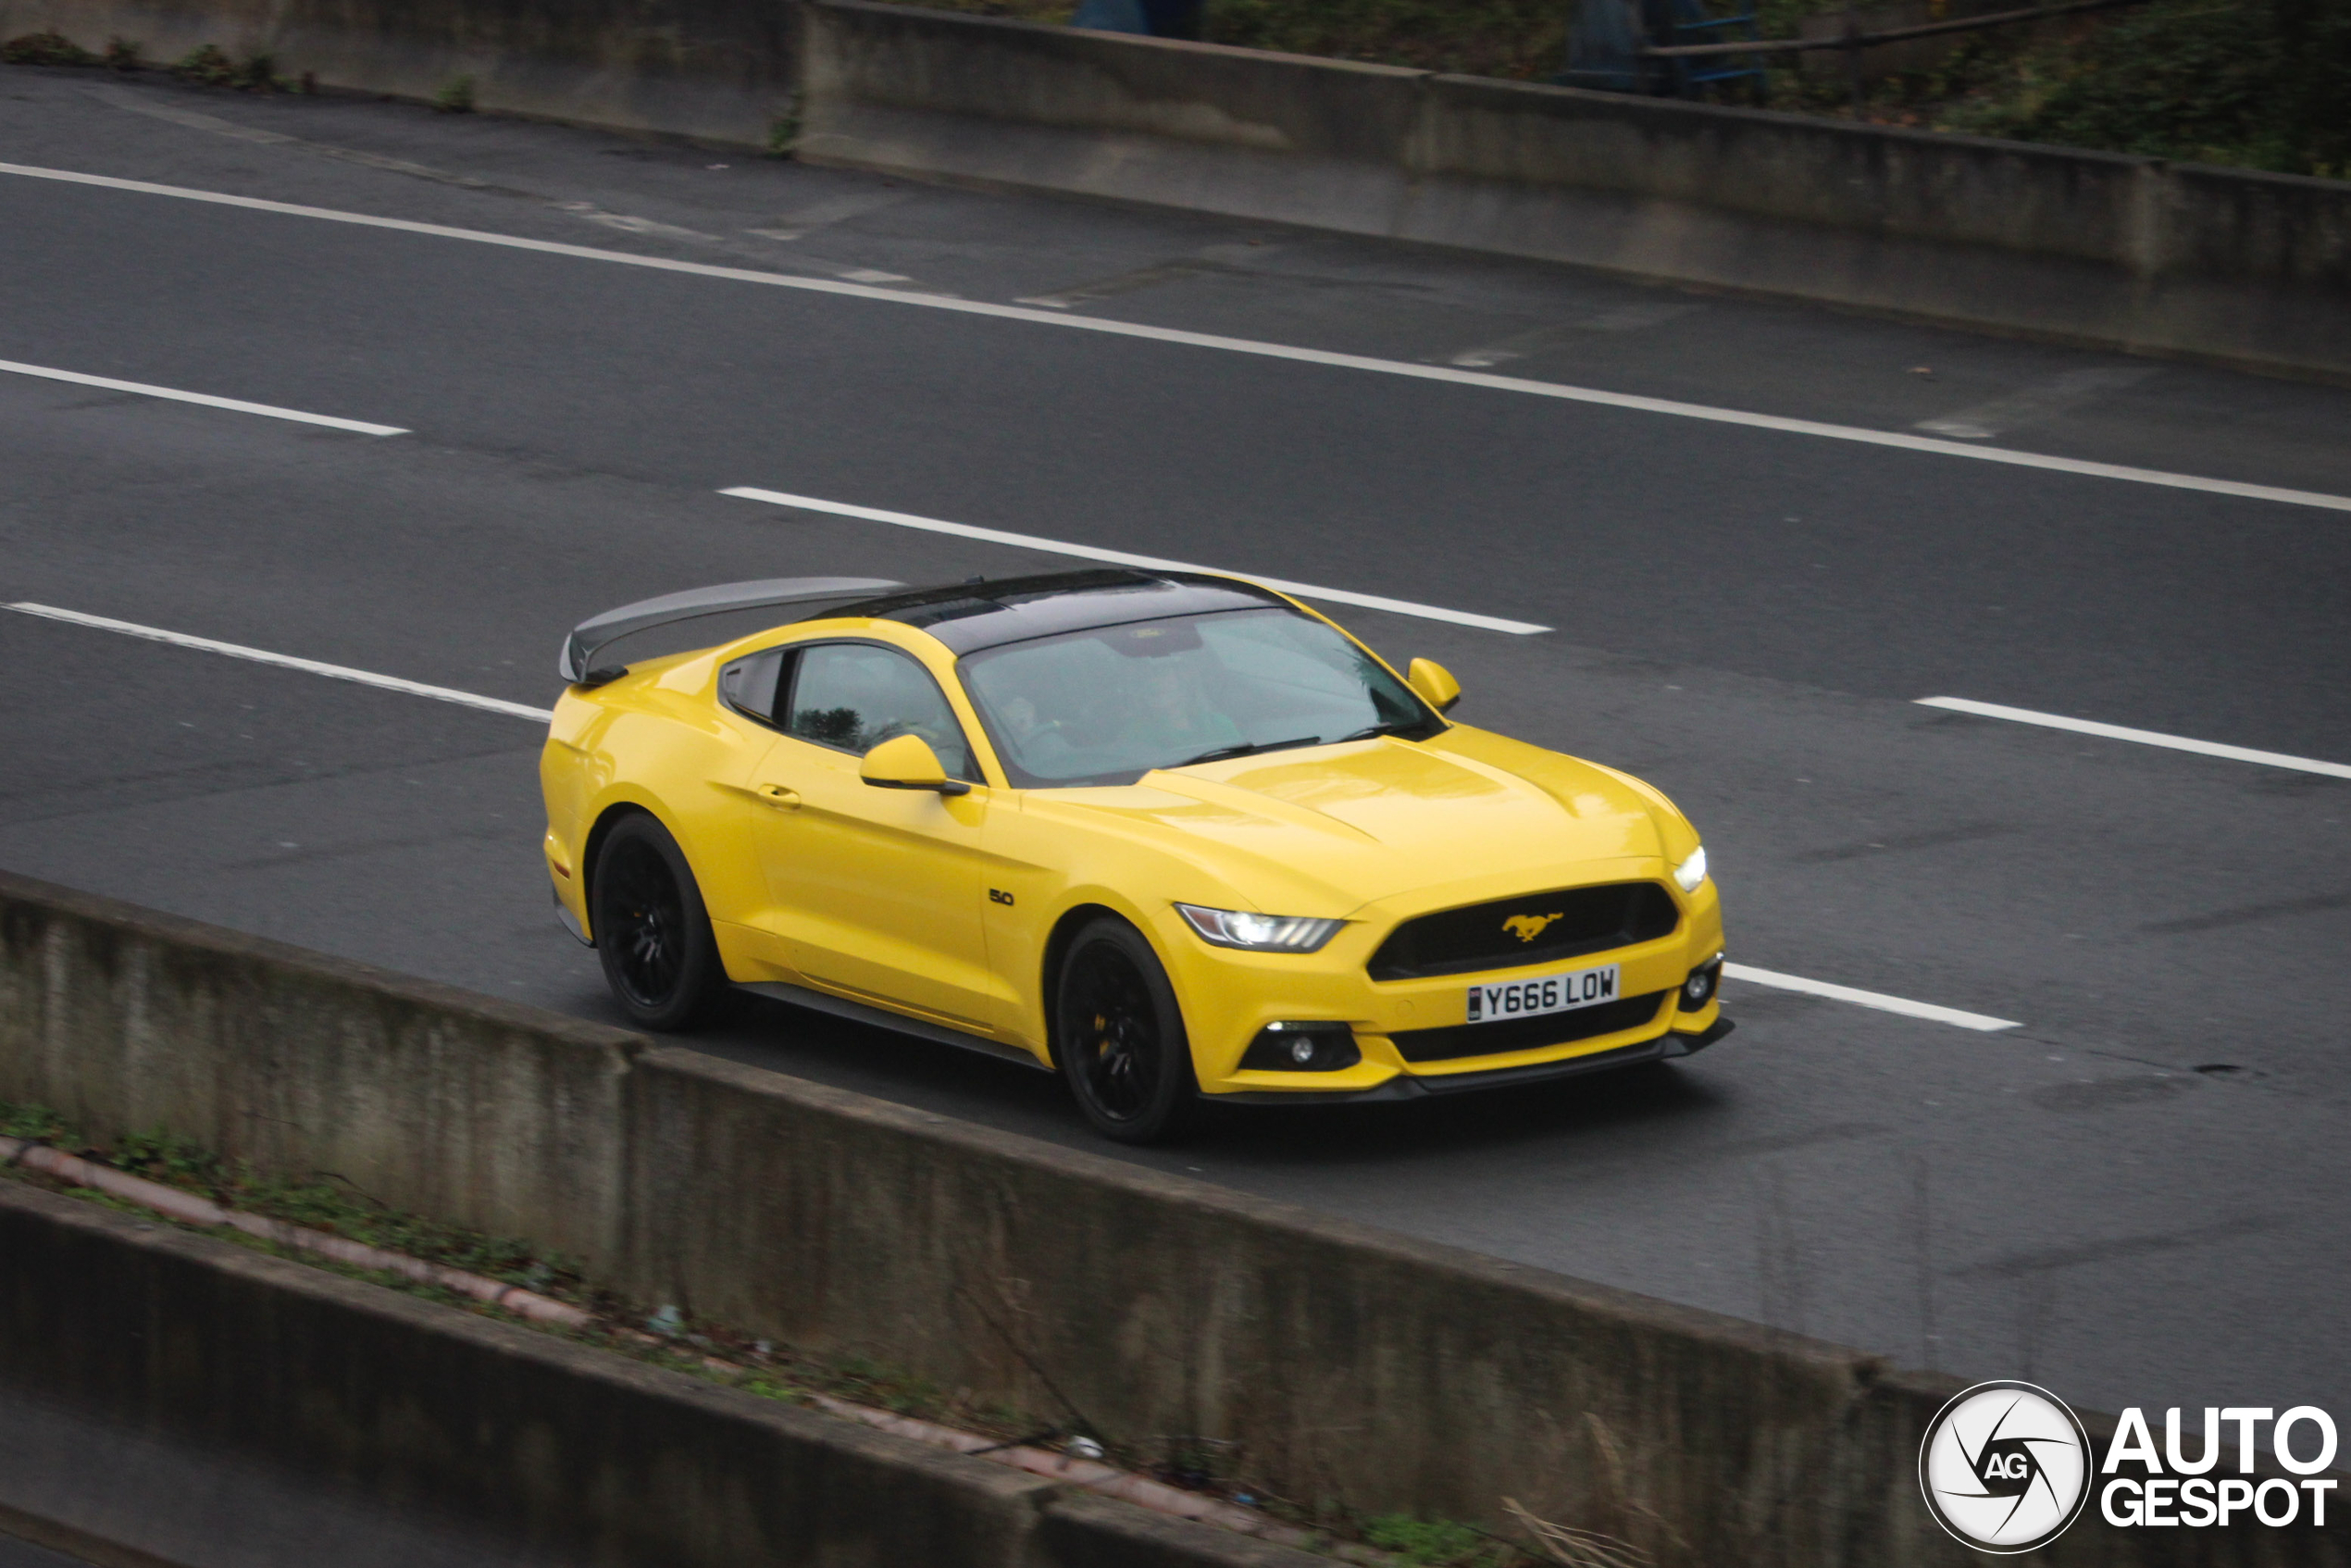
{"x":780,"y":798}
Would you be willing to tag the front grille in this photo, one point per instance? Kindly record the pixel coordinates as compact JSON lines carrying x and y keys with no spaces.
{"x":1566,"y":924}
{"x":1458,"y":1041}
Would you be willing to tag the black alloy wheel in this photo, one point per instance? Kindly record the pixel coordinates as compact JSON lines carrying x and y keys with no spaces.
{"x":1120,"y":1038}
{"x":650,"y":930}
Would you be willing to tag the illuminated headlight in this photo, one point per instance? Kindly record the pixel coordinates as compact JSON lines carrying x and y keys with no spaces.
{"x":1259,"y":933}
{"x":1691,"y":872}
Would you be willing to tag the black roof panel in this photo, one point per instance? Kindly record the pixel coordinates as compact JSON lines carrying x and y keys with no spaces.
{"x":972,"y":616}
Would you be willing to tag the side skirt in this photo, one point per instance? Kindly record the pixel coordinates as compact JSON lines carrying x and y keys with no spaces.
{"x":881,"y":1018}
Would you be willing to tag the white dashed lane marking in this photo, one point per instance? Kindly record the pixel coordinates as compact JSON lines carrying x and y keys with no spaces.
{"x":2141,"y":737}
{"x":206,"y":400}
{"x":287,"y":661}
{"x":1877,"y":1000}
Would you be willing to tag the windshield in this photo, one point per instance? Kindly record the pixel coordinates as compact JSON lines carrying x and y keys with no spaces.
{"x":1107,"y":707}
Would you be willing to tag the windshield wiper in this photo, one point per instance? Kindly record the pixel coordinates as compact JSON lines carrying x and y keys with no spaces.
{"x":1396,"y":727}
{"x":1249,"y":748}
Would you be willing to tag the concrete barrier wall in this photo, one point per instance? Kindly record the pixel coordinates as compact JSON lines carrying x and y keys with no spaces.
{"x":716,"y":70}
{"x":2128,"y":252}
{"x":1350,"y":1364}
{"x":526,"y":1444}
{"x":2213,"y":264}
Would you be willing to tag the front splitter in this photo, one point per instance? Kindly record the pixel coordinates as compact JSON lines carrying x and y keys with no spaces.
{"x":1406,"y":1086}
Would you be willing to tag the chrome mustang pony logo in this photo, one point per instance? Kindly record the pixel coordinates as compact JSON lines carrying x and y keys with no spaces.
{"x":1527,"y":928}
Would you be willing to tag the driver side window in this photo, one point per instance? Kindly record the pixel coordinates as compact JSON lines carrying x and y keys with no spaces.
{"x":853,"y":696}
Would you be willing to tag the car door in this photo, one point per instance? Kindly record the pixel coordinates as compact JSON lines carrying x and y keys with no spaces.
{"x":877,"y":893}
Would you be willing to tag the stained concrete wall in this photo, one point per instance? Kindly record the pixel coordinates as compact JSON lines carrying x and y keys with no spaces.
{"x":2223,"y":265}
{"x":1347,"y":1363}
{"x":526,"y":1445}
{"x":715,"y":71}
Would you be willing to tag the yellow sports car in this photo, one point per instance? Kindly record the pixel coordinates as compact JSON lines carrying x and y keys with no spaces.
{"x":1175,"y":835}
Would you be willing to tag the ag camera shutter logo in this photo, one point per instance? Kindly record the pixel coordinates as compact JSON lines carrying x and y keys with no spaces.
{"x":2005,"y":1467}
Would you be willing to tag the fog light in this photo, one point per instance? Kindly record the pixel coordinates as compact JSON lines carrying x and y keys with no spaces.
{"x":1302,"y":1047}
{"x":1699,"y":990}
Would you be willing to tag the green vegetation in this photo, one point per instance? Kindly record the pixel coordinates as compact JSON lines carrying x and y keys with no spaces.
{"x":1441,"y":1543}
{"x":207,"y":66}
{"x":211,"y":67}
{"x":50,"y":48}
{"x":2258,"y":83}
{"x":457,"y":97}
{"x":1525,"y":40}
{"x":35,"y":1122}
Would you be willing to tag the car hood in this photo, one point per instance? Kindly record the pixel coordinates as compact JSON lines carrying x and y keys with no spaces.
{"x":1326,"y":829}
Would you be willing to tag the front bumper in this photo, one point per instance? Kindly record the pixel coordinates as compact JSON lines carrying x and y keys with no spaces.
{"x":1229,"y":996}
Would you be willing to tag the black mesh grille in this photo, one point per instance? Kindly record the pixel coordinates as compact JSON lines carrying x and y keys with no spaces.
{"x":1566,"y":924}
{"x":1526,"y":1034}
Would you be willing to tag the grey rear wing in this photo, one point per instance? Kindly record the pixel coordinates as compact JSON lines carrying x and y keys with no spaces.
{"x":589,"y":636}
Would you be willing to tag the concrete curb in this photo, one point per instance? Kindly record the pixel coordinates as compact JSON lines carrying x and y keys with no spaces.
{"x":187,"y":1206}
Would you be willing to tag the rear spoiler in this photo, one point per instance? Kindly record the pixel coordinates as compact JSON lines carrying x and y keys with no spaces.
{"x":574,"y":664}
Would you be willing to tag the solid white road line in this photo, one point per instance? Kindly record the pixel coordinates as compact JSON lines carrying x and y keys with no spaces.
{"x":1121,"y":558}
{"x":2144,"y":737}
{"x":286,"y":661}
{"x":1455,"y":375}
{"x":541,"y":716}
{"x":234,"y":405}
{"x":1878,"y":1000}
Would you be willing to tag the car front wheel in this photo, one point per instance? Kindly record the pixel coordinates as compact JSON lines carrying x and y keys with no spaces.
{"x":651,"y":930}
{"x":1120,"y":1036}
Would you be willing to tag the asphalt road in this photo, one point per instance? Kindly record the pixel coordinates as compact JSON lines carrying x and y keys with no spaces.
{"x":2132,"y":1195}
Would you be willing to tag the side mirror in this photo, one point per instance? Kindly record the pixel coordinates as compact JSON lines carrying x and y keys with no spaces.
{"x":1435,"y":683}
{"x":906,"y":762}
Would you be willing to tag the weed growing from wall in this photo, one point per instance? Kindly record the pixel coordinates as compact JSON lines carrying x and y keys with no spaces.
{"x":51,"y":48}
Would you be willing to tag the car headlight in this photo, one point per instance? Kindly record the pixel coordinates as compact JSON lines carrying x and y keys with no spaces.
{"x":1691,"y":872}
{"x":1259,"y":933}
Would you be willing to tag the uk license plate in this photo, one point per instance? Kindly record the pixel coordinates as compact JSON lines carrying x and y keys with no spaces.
{"x":1544,"y":993}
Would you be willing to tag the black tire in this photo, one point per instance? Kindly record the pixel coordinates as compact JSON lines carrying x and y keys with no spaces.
{"x":1119,"y":1036}
{"x":652,"y":931}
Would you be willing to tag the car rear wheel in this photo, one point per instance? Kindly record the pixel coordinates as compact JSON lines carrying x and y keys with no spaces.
{"x":651,"y":930}
{"x":1120,"y":1035}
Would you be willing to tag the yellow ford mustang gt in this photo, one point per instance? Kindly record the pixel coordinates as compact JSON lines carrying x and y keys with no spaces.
{"x":1174,"y":834}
